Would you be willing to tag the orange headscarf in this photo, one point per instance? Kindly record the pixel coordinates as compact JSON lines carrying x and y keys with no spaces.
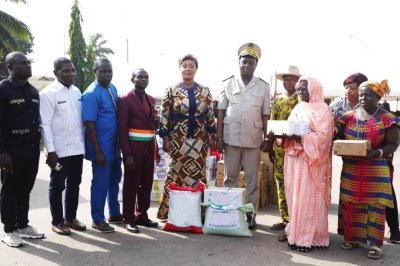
{"x":380,"y":89}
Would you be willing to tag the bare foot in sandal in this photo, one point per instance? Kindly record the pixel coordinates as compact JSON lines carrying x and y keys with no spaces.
{"x":349,"y":245}
{"x":374,"y":252}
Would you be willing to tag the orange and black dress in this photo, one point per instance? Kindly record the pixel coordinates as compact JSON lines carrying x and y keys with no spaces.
{"x":187,"y":118}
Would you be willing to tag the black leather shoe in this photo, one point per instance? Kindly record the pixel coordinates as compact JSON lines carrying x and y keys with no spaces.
{"x":132,"y":227}
{"x":146,"y":222}
{"x":252,"y":222}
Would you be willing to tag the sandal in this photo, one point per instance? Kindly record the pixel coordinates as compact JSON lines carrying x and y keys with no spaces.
{"x":374,"y":252}
{"x":283,"y":238}
{"x":278,"y":226}
{"x":348,"y":245}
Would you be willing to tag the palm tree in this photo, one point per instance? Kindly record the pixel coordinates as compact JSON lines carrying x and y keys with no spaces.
{"x":95,"y":49}
{"x":14,"y":36}
{"x":96,"y":43}
{"x":13,"y":32}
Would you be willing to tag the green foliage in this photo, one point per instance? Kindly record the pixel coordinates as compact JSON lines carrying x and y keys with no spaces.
{"x":81,"y":55}
{"x":78,"y":50}
{"x":14,"y":36}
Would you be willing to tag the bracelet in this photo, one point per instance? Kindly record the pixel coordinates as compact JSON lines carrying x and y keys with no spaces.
{"x":380,"y":152}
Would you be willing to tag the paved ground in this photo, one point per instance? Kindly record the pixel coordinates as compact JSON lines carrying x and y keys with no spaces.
{"x":157,"y":247}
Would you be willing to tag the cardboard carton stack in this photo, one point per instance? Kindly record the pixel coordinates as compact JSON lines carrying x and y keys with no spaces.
{"x":211,"y":170}
{"x":270,"y":186}
{"x":160,"y":173}
{"x":264,"y":173}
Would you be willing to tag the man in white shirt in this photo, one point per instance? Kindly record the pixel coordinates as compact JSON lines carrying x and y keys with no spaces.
{"x":62,"y":133}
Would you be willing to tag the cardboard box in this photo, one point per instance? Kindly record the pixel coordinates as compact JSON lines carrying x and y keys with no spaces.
{"x":351,"y":147}
{"x":224,"y":196}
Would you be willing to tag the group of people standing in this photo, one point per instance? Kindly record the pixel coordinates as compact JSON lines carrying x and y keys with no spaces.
{"x":108,"y":130}
{"x":302,"y":165}
{"x":73,"y":126}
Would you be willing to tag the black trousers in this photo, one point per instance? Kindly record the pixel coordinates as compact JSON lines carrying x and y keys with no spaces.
{"x":392,"y":216}
{"x":15,"y":193}
{"x":68,"y":179}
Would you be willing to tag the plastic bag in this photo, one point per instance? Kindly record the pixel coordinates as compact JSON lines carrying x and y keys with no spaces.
{"x":227,"y":219}
{"x":184,"y":213}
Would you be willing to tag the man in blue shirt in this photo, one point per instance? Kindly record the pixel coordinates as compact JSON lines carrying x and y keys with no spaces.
{"x":99,"y":103}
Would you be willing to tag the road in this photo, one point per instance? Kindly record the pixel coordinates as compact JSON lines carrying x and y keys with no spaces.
{"x":158,"y":247}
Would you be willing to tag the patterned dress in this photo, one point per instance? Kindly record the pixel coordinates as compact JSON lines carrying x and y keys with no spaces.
{"x":281,"y":109}
{"x":187,"y":117}
{"x":365,"y":185}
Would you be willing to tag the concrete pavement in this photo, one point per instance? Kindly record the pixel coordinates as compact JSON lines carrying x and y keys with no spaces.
{"x":157,"y":247}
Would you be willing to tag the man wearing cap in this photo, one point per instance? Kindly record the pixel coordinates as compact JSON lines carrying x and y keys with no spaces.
{"x":243,"y":111}
{"x":281,"y":109}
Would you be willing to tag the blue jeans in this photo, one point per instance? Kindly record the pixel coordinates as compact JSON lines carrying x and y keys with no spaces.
{"x":68,"y":178}
{"x":105,"y":184}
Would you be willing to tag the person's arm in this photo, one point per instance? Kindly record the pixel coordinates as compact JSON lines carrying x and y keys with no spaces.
{"x":46,"y":109}
{"x":391,"y":143}
{"x":223,"y":103}
{"x":123,"y":131}
{"x":266,"y":111}
{"x":90,"y":109}
{"x":6,"y":163}
{"x":167,"y":103}
{"x":265,"y":146}
{"x":92,"y":134}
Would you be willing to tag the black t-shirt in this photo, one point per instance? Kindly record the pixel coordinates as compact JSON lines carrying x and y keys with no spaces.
{"x":19,"y":119}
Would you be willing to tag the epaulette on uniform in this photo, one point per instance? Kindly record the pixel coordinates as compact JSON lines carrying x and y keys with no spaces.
{"x":227,"y":78}
{"x":264,"y":81}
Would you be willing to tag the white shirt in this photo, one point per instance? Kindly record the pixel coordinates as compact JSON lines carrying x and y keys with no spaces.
{"x":61,"y":122}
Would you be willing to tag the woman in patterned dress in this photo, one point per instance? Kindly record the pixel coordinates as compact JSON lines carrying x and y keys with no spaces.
{"x":365,"y":188}
{"x":187,"y":118}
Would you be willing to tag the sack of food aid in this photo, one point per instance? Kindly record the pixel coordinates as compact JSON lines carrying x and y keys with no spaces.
{"x":184,"y":213}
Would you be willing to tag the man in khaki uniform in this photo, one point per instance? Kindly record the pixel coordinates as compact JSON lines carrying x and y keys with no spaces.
{"x":243,"y":111}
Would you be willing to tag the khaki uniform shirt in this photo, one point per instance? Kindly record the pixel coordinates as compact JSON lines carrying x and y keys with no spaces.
{"x":245,"y":106}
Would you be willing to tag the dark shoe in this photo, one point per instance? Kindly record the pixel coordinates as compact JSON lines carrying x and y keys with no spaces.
{"x":61,"y":229}
{"x":252,"y":223}
{"x":132,"y":227}
{"x":103,"y":227}
{"x":283,"y":238}
{"x":76,"y":225}
{"x":146,"y":222}
{"x":115,"y":219}
{"x":278,"y":226}
{"x":395,"y":237}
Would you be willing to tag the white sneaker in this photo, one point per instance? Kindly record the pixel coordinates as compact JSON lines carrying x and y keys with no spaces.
{"x":13,"y":239}
{"x":30,"y":232}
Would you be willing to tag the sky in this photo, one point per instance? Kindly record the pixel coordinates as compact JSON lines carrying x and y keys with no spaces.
{"x":326,"y":39}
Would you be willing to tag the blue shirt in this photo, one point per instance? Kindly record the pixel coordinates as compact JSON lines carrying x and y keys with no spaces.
{"x":97,"y":106}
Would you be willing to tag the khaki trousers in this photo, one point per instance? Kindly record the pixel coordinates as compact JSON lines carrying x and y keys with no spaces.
{"x":234,"y":158}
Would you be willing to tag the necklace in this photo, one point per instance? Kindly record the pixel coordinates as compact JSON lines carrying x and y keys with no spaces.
{"x":376,"y":111}
{"x":364,"y":115}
